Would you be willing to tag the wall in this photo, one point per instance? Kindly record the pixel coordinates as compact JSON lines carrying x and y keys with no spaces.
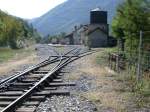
{"x":98,"y":39}
{"x":77,"y":38}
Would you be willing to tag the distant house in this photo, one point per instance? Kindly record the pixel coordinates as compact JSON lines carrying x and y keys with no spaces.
{"x":78,"y":34}
{"x":97,"y":31}
{"x":75,"y":37}
{"x":64,"y":41}
{"x":68,"y":39}
{"x":54,"y":41}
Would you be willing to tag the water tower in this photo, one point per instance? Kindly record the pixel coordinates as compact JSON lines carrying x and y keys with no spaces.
{"x":98,"y":17}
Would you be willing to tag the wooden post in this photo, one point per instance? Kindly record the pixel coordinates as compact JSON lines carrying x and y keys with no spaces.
{"x":117,"y":63}
{"x":109,"y":60}
{"x":139,"y":58}
{"x":117,"y":57}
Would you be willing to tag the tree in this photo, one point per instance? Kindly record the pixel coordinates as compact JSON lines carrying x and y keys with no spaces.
{"x":13,"y":30}
{"x":132,"y":16}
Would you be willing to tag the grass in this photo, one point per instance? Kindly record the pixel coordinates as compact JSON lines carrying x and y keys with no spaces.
{"x":12,"y":59}
{"x":103,"y":94}
{"x":7,"y":53}
{"x":102,"y":57}
{"x":118,"y":92}
{"x":60,"y":49}
{"x":107,"y":100}
{"x":140,"y":90}
{"x":115,"y":97}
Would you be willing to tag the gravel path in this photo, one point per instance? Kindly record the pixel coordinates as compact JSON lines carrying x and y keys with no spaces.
{"x":72,"y":103}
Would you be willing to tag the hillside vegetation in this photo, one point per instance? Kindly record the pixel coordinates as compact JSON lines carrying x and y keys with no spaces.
{"x":64,"y":17}
{"x":133,"y":17}
{"x":15,"y":32}
{"x":131,"y":27}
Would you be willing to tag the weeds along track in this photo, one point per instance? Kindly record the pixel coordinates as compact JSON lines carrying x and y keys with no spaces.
{"x":24,"y":91}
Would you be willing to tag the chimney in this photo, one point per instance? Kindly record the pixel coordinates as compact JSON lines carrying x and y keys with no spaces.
{"x":75,"y":28}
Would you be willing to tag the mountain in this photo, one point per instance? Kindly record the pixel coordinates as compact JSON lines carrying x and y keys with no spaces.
{"x":64,"y":17}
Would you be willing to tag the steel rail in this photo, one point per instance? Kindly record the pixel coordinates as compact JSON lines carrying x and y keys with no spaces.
{"x":60,"y":65}
{"x":27,"y":70}
{"x":30,"y":69}
{"x":79,"y":56}
{"x":11,"y":107}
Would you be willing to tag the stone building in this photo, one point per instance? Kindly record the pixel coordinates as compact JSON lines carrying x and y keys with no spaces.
{"x":97,"y":31}
{"x":75,"y":36}
{"x":68,"y":39}
{"x":97,"y":36}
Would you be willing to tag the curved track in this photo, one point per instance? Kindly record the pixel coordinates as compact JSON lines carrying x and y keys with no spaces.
{"x":24,"y":91}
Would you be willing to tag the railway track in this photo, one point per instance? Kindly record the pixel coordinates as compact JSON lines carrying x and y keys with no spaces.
{"x":24,"y":91}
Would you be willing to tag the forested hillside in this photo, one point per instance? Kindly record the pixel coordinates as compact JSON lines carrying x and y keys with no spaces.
{"x":64,"y":17}
{"x":15,"y":32}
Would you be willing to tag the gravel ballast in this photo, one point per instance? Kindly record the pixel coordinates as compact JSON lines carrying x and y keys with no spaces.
{"x":66,"y":104}
{"x":72,"y":103}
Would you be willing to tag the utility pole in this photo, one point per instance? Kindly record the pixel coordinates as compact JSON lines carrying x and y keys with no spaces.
{"x":139,"y":58}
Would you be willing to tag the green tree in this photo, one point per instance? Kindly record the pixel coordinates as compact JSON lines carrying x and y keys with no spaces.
{"x":132,"y":16}
{"x":14,"y":30}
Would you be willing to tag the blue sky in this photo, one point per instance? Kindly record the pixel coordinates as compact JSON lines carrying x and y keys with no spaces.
{"x":28,"y":9}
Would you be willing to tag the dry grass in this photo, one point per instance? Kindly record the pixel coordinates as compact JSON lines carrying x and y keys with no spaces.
{"x":18,"y":60}
{"x":106,"y":99}
{"x":74,"y":76}
{"x":94,"y":71}
{"x":105,"y":95}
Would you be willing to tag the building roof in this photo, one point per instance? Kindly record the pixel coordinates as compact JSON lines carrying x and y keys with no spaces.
{"x":91,"y":31}
{"x":69,"y":35}
{"x":97,"y":9}
{"x":83,"y":28}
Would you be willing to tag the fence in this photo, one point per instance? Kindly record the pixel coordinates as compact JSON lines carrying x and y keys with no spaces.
{"x":135,"y":61}
{"x":116,"y":62}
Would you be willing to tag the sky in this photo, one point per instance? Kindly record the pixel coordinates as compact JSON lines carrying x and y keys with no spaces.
{"x":28,"y":9}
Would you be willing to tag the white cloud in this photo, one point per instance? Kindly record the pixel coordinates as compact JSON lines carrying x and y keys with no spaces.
{"x":28,"y":8}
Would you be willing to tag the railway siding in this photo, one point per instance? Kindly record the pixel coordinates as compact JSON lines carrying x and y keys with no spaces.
{"x":26,"y":89}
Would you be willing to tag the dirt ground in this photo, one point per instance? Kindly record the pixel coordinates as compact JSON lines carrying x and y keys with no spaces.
{"x":98,"y":84}
{"x":18,"y":61}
